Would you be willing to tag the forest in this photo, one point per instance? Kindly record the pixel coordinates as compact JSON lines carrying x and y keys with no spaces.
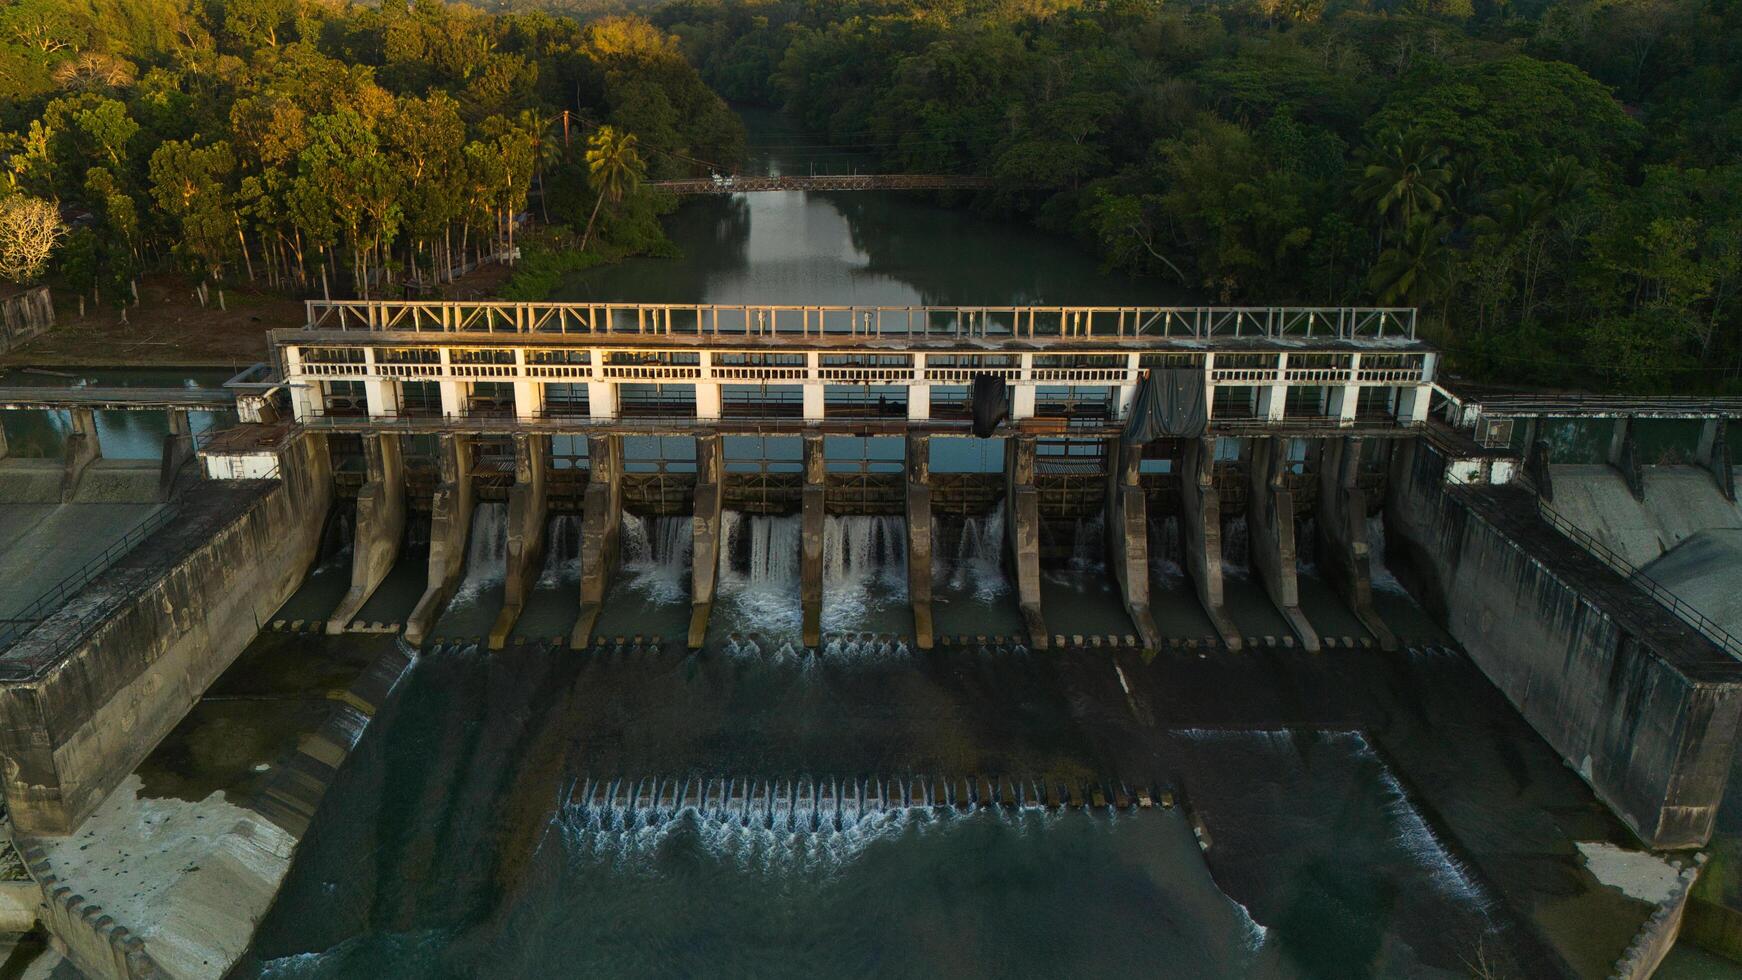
{"x":307,"y":146}
{"x":1557,"y":184}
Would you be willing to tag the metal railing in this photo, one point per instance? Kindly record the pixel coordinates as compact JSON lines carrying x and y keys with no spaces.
{"x":1627,"y":570}
{"x":15,"y":626}
{"x":1089,"y":323}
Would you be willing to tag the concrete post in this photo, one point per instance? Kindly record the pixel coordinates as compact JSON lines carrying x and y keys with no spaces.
{"x":381,"y":398}
{"x":811,"y":548}
{"x":178,"y":451}
{"x":82,"y":449}
{"x":1022,"y":510}
{"x":705,"y":551}
{"x":1270,"y":535}
{"x":919,"y":537}
{"x":601,"y":530}
{"x":528,"y":517}
{"x":1344,"y":551}
{"x":453,"y":398}
{"x":601,"y":399}
{"x":1201,"y":519}
{"x":1713,"y":453}
{"x":5,"y":450}
{"x":1128,"y":537}
{"x":1624,"y":456}
{"x":380,"y":526}
{"x":449,"y":529}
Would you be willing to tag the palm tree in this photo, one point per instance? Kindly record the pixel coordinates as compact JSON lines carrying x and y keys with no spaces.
{"x":1418,"y":269}
{"x":614,"y":168}
{"x":545,"y":151}
{"x":1405,"y":176}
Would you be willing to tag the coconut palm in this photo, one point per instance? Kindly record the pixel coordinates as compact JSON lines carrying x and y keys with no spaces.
{"x":1405,"y":177}
{"x":1418,"y":269}
{"x":614,"y":168}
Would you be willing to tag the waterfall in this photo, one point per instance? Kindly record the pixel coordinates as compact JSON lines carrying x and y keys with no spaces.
{"x":1378,"y":575}
{"x":337,"y":537}
{"x":1234,"y":553}
{"x":976,"y":560}
{"x":1306,"y":545}
{"x":864,"y":568}
{"x":1088,"y":544}
{"x":562,"y":552}
{"x":1165,"y":554}
{"x":858,"y":549}
{"x":655,"y":556}
{"x":759,"y":574}
{"x":486,"y":551}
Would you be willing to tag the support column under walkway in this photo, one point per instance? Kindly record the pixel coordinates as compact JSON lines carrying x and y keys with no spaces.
{"x":1022,"y":510}
{"x":919,"y":537}
{"x":811,"y":545}
{"x":1270,"y":535}
{"x":601,"y":531}
{"x":449,"y":528}
{"x":1128,"y":537}
{"x":380,"y":526}
{"x":1201,"y":521}
{"x":82,"y":449}
{"x":1714,"y":455}
{"x":705,"y":532}
{"x":528,"y":511}
{"x":1344,"y":551}
{"x":178,"y":451}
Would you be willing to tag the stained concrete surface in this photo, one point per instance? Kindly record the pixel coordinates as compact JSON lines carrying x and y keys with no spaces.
{"x":1680,"y":501}
{"x":1705,"y":571}
{"x":42,"y":541}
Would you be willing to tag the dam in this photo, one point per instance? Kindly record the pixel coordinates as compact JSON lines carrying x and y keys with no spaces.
{"x":813,"y":591}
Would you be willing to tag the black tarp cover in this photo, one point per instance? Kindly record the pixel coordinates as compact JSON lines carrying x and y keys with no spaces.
{"x":1169,"y":405}
{"x":991,"y":404}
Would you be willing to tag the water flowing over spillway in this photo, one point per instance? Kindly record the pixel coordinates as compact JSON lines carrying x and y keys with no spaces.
{"x":562,"y":551}
{"x":486,"y":552}
{"x":655,"y":556}
{"x":974,"y":562}
{"x":864,"y":573}
{"x":759,"y":575}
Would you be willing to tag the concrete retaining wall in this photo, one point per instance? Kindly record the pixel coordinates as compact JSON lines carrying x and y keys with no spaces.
{"x":91,"y":690}
{"x":24,"y":317}
{"x":1642,"y":707}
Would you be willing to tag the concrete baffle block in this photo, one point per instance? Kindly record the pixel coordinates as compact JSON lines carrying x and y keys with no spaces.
{"x":601,"y":530}
{"x":450,"y":527}
{"x":1270,"y":535}
{"x":380,"y":526}
{"x":1022,"y":536}
{"x":528,"y":513}
{"x":1201,"y":520}
{"x":1344,"y":552}
{"x":705,"y":531}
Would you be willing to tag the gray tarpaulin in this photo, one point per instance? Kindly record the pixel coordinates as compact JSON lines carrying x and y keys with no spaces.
{"x":991,"y":404}
{"x":1169,"y":405}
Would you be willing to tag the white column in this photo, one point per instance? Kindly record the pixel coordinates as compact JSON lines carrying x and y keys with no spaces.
{"x":918,"y":393}
{"x":1128,"y":390}
{"x":707,"y":390}
{"x":601,"y":400}
{"x":305,"y":395}
{"x":1022,"y":392}
{"x":1273,"y":398}
{"x":528,"y":395}
{"x":1344,"y":399}
{"x":1209,"y":386}
{"x":813,"y":388}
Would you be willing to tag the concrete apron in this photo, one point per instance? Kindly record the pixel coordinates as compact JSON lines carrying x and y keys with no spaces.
{"x":171,"y":888}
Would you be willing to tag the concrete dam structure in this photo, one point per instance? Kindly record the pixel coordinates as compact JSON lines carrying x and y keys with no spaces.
{"x":843,"y":455}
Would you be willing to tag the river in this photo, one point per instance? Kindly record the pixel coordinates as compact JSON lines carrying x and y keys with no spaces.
{"x":473,"y":832}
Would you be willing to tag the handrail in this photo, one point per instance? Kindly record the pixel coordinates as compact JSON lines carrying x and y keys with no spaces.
{"x":1092,"y":323}
{"x":1626,"y":569}
{"x":15,"y":626}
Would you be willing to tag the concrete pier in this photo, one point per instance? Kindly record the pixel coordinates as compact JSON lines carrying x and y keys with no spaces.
{"x":919,"y":537}
{"x":1714,"y":454}
{"x":380,"y":526}
{"x":601,"y":530}
{"x":1641,"y":705}
{"x":1128,"y":537}
{"x":1201,"y":520}
{"x":1270,"y":535}
{"x":811,"y":546}
{"x":705,"y":531}
{"x":1344,"y":552}
{"x":92,"y":688}
{"x":450,"y":527}
{"x":1624,"y":456}
{"x":82,"y":449}
{"x":528,"y":511}
{"x":1022,"y":510}
{"x":178,"y":451}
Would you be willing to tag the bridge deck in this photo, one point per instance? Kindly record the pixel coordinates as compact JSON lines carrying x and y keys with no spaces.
{"x":824,"y":182}
{"x":114,"y":398}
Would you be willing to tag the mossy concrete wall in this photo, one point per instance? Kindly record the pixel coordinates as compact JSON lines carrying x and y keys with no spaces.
{"x":1643,"y":707}
{"x":92,"y":689}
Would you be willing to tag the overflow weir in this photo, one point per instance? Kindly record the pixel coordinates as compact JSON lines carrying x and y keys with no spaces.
{"x":818,"y":478}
